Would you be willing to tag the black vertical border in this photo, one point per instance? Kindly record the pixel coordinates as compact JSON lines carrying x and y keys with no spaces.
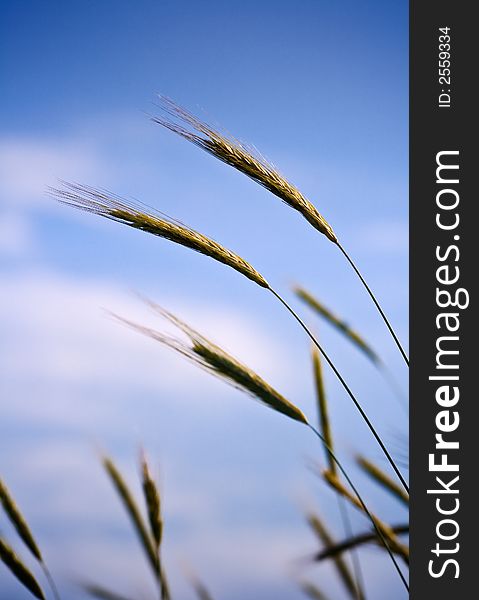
{"x":433,"y":129}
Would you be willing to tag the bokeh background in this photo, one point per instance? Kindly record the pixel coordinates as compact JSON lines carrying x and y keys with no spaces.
{"x":321,"y":89}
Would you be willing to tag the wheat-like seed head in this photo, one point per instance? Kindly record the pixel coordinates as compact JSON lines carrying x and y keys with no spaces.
{"x":133,"y":512}
{"x":312,"y":591}
{"x":338,"y":486}
{"x":117,"y":209}
{"x":102,"y":593}
{"x":20,"y":570}
{"x":340,"y":324}
{"x":153,"y":502}
{"x":148,"y":542}
{"x":383,"y":479}
{"x":323,"y":408}
{"x":19,"y":521}
{"x":214,"y":359}
{"x":241,"y":157}
{"x":202,"y":593}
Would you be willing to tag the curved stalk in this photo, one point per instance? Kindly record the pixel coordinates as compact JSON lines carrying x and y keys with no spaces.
{"x":348,"y":390}
{"x":376,"y":303}
{"x":365,"y":508}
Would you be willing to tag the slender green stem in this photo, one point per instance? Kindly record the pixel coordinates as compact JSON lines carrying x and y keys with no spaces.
{"x":348,"y":390}
{"x":365,"y":508}
{"x":378,"y":306}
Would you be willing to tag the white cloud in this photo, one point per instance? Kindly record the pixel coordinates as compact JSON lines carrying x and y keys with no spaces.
{"x":56,"y":343}
{"x":16,"y":236}
{"x":57,"y":337}
{"x":84,"y":153}
{"x":55,"y":331}
{"x":27,"y":165}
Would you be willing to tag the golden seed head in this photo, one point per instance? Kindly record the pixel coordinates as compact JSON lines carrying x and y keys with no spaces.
{"x":218,"y":362}
{"x":115,"y":208}
{"x":242,"y":158}
{"x":153,"y":502}
{"x":133,"y":511}
{"x":20,"y":570}
{"x":19,"y":521}
{"x":340,"y":324}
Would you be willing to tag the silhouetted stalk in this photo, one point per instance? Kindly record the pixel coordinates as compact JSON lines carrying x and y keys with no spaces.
{"x":363,"y":504}
{"x":357,"y":540}
{"x":376,"y":303}
{"x":348,"y":390}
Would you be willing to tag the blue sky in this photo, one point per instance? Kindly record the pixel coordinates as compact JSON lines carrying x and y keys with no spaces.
{"x":321,"y":89}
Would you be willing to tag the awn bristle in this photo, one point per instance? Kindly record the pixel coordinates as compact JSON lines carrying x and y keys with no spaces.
{"x":18,"y":521}
{"x":117,"y":209}
{"x":21,"y":572}
{"x":218,"y":362}
{"x":241,"y":157}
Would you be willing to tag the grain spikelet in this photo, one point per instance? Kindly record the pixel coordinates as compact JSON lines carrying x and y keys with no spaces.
{"x":218,"y":362}
{"x":19,"y":570}
{"x":242,"y":158}
{"x":245,"y":160}
{"x":342,"y":568}
{"x":312,"y":591}
{"x":340,"y":324}
{"x":117,"y":209}
{"x":153,"y":502}
{"x":353,"y":337}
{"x":97,"y":202}
{"x":357,"y":540}
{"x":102,"y":593}
{"x":383,"y":479}
{"x":18,"y":521}
{"x":153,"y":506}
{"x":394,"y":544}
{"x":323,"y":407}
{"x":200,"y":589}
{"x":133,"y":512}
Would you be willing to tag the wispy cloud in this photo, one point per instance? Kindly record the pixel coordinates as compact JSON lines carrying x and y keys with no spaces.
{"x":27,"y":165}
{"x":16,"y":235}
{"x":57,"y":332}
